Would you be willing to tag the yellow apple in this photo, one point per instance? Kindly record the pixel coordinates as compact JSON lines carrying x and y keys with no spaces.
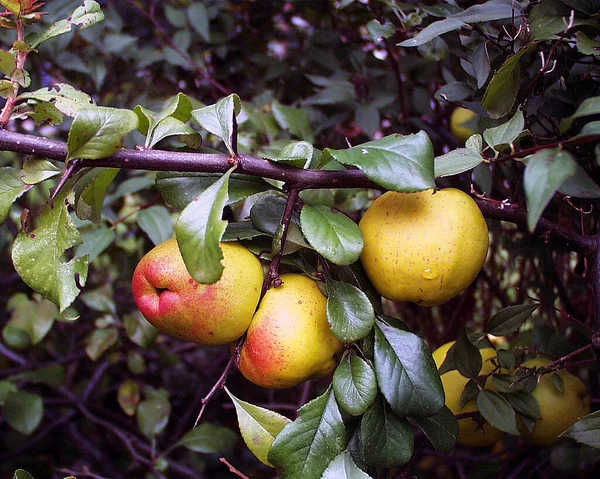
{"x":462,"y":122}
{"x":423,"y":247}
{"x":470,"y":431}
{"x":558,"y":410}
{"x":289,"y":340}
{"x":209,"y":314}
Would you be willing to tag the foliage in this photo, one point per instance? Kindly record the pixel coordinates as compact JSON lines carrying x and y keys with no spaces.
{"x":276,"y":124}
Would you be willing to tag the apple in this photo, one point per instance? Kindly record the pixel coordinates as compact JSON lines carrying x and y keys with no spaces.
{"x":463,"y":123}
{"x":208,"y":314}
{"x":423,"y":247}
{"x":471,"y":433}
{"x":559,"y":410}
{"x":289,"y":340}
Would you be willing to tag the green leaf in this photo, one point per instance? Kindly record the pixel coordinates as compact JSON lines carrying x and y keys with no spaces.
{"x":349,"y":311}
{"x":199,"y":230}
{"x":173,"y":127}
{"x":295,"y":120}
{"x":586,"y":430}
{"x":100,"y":341}
{"x":8,"y":63}
{"x":209,"y":438}
{"x":457,"y":161}
{"x":305,"y":447}
{"x":128,"y":396}
{"x":32,"y":317}
{"x":259,"y":427}
{"x":170,"y":121}
{"x":546,"y":171}
{"x":501,"y":92}
{"x":297,"y":153}
{"x":396,"y":162}
{"x":37,"y":256}
{"x":11,"y":188}
{"x":387,"y":440}
{"x":525,"y":403}
{"x":23,"y":411}
{"x":509,"y":319}
{"x":22,"y":474}
{"x":581,"y":185}
{"x":332,"y":234}
{"x":503,"y":137}
{"x":36,"y":170}
{"x":406,"y":372}
{"x":64,"y":97}
{"x":90,"y":192}
{"x":6,"y":388}
{"x":95,"y":243}
{"x":52,"y":375}
{"x":153,"y":416}
{"x":547,"y":19}
{"x":138,"y":330}
{"x":156,"y":223}
{"x":441,"y":429}
{"x":467,"y":358}
{"x":354,"y":384}
{"x":344,"y":467}
{"x":497,"y":411}
{"x":199,"y":19}
{"x":586,"y":45}
{"x":13,"y":6}
{"x":241,"y":230}
{"x":180,"y":189}
{"x":588,"y":107}
{"x":219,"y":119}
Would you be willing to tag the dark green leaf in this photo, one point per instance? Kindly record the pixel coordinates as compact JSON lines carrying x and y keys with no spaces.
{"x":23,"y":411}
{"x":52,"y":375}
{"x":208,"y":438}
{"x":506,"y":359}
{"x":525,"y":403}
{"x":349,"y":311}
{"x":497,"y":411}
{"x":467,"y":358}
{"x":457,"y":161}
{"x":509,"y":319}
{"x":354,"y":384}
{"x":586,"y":430}
{"x":441,"y":429}
{"x":241,"y":230}
{"x":588,"y":107}
{"x":507,"y":382}
{"x":22,"y":474}
{"x":581,"y":185}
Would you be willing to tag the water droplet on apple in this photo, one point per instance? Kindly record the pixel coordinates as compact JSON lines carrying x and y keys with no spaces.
{"x":429,"y":273}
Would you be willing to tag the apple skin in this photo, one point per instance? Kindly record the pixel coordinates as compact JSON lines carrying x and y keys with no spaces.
{"x":289,"y":340}
{"x":208,"y":314}
{"x":470,"y":432}
{"x":461,"y":123}
{"x":558,"y":410}
{"x":423,"y":247}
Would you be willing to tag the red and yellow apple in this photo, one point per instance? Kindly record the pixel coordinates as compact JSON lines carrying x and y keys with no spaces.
{"x":209,"y":314}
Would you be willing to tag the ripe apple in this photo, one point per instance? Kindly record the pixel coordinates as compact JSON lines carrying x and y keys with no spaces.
{"x":463,"y":123}
{"x":209,"y":314}
{"x":289,"y":340}
{"x":470,"y":432}
{"x":558,"y":410}
{"x":423,"y":247}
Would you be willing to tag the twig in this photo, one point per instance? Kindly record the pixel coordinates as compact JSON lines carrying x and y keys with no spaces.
{"x":595,"y":280}
{"x":233,"y":469}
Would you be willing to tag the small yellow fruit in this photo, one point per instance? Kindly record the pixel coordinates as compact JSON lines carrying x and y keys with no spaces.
{"x":461,"y":123}
{"x":470,"y":432}
{"x":208,"y":314}
{"x":289,"y":340}
{"x":558,"y":410}
{"x":423,"y":247}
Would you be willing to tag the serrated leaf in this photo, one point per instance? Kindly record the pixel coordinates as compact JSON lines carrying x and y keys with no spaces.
{"x":354,"y":384}
{"x":23,"y":411}
{"x":152,"y":416}
{"x":219,"y":119}
{"x":37,"y":256}
{"x":387,"y":439}
{"x":509,"y":319}
{"x":98,"y":132}
{"x":100,"y":341}
{"x":332,"y":234}
{"x":64,"y":97}
{"x":441,"y":429}
{"x":406,"y":372}
{"x":586,"y":430}
{"x":396,"y":162}
{"x":497,"y":411}
{"x":258,"y":426}
{"x":457,"y":161}
{"x":349,"y":311}
{"x":199,"y":230}
{"x":11,"y":188}
{"x":295,"y":120}
{"x":344,"y":467}
{"x":506,"y":133}
{"x":128,"y":396}
{"x":36,"y":170}
{"x":305,"y":447}
{"x":156,"y":223}
{"x":546,"y":171}
{"x":90,"y":193}
{"x":209,"y":438}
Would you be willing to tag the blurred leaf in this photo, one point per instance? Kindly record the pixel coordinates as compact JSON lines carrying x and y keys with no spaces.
{"x":138,"y":330}
{"x":344,"y":467}
{"x":36,"y":170}
{"x":497,"y":411}
{"x":33,"y":318}
{"x":546,"y":171}
{"x":588,"y":107}
{"x":11,"y":188}
{"x":199,"y":230}
{"x":100,"y":299}
{"x":406,"y":372}
{"x":90,"y":192}
{"x":37,"y":256}
{"x":457,"y":161}
{"x":441,"y":429}
{"x":98,"y":132}
{"x":387,"y":440}
{"x":586,"y":430}
{"x":199,"y":19}
{"x":546,"y":19}
{"x":23,"y":411}
{"x":349,"y":311}
{"x":6,"y":388}
{"x":586,"y":45}
{"x":8,"y":63}
{"x":295,"y":120}
{"x":128,"y":396}
{"x":208,"y":438}
{"x":354,"y":384}
{"x":557,"y":382}
{"x":332,"y":234}
{"x":64,"y":97}
{"x":218,"y":119}
{"x":156,"y":223}
{"x":454,"y":91}
{"x":100,"y":341}
{"x":95,"y":243}
{"x":509,"y":319}
{"x":153,"y":416}
{"x":305,"y":447}
{"x":52,"y":375}
{"x":258,"y":426}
